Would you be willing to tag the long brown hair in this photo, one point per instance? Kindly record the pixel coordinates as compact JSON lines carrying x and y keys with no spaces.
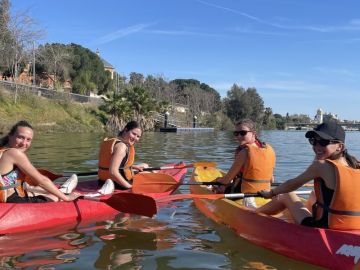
{"x":351,"y":160}
{"x":252,"y":127}
{"x":129,"y":126}
{"x":5,"y":140}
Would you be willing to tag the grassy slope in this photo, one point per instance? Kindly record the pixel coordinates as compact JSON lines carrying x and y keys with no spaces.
{"x":48,"y":115}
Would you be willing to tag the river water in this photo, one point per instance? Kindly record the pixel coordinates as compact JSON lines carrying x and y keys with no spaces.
{"x":179,"y":237}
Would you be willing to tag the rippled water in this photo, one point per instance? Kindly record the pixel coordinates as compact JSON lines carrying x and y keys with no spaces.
{"x":179,"y":237}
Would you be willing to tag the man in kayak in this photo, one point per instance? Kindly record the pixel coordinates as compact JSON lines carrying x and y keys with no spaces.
{"x":253,"y":167}
{"x":18,"y":176}
{"x":117,"y":155}
{"x":336,"y":177}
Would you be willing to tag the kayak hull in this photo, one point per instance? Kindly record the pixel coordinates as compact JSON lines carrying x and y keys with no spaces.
{"x":22,"y":217}
{"x":333,"y":249}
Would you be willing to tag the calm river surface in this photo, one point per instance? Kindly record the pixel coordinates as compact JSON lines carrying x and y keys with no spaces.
{"x":179,"y":237}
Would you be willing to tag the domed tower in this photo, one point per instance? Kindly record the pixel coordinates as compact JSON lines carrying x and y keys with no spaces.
{"x":319,"y":116}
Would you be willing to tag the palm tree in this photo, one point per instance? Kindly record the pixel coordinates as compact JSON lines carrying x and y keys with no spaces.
{"x":119,"y":109}
{"x":141,"y":101}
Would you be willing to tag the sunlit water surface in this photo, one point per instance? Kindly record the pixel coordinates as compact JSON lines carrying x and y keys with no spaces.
{"x":179,"y":237}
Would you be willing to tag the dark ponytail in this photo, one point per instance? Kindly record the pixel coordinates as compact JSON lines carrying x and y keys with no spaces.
{"x":351,"y":160}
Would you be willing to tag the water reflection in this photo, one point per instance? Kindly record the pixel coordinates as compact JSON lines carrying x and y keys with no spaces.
{"x":179,"y":237}
{"x":127,"y":241}
{"x":60,"y":245}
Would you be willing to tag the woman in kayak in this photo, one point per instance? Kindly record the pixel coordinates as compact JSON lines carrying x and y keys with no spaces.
{"x":117,"y":156}
{"x":336,"y":178}
{"x":18,"y":176}
{"x":253,"y":167}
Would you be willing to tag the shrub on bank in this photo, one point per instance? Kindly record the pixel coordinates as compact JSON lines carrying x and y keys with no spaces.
{"x":48,"y":115}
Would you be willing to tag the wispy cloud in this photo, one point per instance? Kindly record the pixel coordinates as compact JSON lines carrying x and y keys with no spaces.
{"x":182,"y":33}
{"x":352,"y":25}
{"x":334,"y":71}
{"x":122,"y":33}
{"x":260,"y":32}
{"x":246,"y":15}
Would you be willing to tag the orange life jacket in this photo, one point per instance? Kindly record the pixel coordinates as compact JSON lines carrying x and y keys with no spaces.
{"x":344,"y":209}
{"x":105,"y":156}
{"x":4,"y":188}
{"x":258,"y":169}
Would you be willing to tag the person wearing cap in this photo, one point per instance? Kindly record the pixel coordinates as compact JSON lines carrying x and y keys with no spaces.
{"x":336,"y":178}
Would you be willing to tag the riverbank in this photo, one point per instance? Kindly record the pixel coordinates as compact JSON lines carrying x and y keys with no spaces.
{"x":49,"y":115}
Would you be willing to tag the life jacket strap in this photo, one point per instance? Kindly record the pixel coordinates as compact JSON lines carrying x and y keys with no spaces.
{"x":338,"y":212}
{"x":344,"y":213}
{"x":257,"y":181}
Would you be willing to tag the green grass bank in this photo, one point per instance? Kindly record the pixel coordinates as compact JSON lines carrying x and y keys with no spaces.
{"x":48,"y":115}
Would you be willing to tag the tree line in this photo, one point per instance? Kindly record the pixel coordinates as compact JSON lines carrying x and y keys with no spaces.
{"x":133,"y":97}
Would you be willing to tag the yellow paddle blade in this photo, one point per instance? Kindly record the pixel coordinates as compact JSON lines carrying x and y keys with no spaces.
{"x":205,"y":164}
{"x":153,"y":183}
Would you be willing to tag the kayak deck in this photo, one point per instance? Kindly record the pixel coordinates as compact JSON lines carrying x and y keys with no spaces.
{"x":22,"y":217}
{"x":324,"y":247}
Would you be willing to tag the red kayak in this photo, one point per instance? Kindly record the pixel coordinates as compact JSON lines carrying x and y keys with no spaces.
{"x":22,"y":217}
{"x":333,"y":249}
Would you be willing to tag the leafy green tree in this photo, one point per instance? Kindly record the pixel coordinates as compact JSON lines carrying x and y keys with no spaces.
{"x":53,"y":61}
{"x":280,"y":121}
{"x":269,"y":121}
{"x":83,"y":83}
{"x":233,"y":103}
{"x":218,"y":120}
{"x":85,"y":61}
{"x":5,"y":35}
{"x":136,"y":79}
{"x":140,"y":100}
{"x":119,"y":108}
{"x":241,"y":104}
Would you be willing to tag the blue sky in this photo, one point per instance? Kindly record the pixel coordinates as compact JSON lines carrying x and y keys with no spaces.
{"x":299,"y":55}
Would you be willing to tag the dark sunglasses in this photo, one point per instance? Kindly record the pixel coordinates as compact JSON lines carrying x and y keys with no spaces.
{"x":322,"y":142}
{"x":241,"y":132}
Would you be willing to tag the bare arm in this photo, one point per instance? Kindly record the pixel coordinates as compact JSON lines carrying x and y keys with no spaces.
{"x":117,"y":157}
{"x":317,"y":169}
{"x":141,"y":166}
{"x":235,"y":168}
{"x":20,"y":159}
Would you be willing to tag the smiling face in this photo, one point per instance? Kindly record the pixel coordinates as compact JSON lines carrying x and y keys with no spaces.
{"x":132,"y":136}
{"x":325,"y":149}
{"x":21,"y":139}
{"x":243,"y":138}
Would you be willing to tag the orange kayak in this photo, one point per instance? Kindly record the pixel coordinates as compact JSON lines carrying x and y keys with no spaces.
{"x":333,"y":249}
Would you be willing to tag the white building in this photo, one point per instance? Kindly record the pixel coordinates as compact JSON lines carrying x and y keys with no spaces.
{"x":319,"y":117}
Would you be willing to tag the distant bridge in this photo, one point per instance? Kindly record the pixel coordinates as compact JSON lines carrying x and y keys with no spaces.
{"x":307,"y":126}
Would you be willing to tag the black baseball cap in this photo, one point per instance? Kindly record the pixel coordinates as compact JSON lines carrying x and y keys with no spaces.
{"x":328,"y":131}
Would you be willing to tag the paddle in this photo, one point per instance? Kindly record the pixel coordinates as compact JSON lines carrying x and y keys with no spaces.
{"x":205,"y":164}
{"x":153,"y":183}
{"x":126,"y":202}
{"x":216,"y":196}
{"x":159,"y":183}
